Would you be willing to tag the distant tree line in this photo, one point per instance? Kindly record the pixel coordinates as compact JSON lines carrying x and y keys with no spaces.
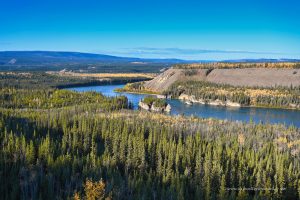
{"x":39,"y":80}
{"x":229,"y":65}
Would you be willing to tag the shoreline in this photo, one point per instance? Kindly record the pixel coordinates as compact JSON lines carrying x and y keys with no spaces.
{"x":133,"y":92}
{"x":242,"y":106}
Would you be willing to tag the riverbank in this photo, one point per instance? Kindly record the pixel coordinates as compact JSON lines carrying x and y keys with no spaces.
{"x":151,"y":103}
{"x":120,"y":90}
{"x":244,"y":96}
{"x":276,"y":97}
{"x":227,"y":103}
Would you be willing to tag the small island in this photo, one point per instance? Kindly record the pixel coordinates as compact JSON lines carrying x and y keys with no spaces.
{"x":152,"y":103}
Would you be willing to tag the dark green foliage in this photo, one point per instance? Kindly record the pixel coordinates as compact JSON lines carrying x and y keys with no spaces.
{"x":287,"y":97}
{"x":208,"y":71}
{"x":132,"y":87}
{"x":154,"y":100}
{"x":136,"y":87}
{"x":52,"y":141}
{"x":53,"y":98}
{"x":50,"y":154}
{"x":190,"y":72}
{"x":241,"y":98}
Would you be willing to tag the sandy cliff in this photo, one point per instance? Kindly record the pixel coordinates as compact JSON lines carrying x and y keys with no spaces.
{"x":263,"y":77}
{"x":255,"y":77}
{"x":166,"y":79}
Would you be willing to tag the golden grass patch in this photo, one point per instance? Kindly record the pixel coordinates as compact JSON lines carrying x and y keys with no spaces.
{"x":106,"y":75}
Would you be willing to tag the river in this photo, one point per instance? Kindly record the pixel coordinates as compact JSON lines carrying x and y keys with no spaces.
{"x":264,"y":115}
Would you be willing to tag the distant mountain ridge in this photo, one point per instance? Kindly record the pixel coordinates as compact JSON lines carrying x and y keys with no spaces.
{"x":77,"y":61}
{"x":58,"y":60}
{"x":42,"y":57}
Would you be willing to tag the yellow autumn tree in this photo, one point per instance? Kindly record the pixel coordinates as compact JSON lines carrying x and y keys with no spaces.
{"x":92,"y":190}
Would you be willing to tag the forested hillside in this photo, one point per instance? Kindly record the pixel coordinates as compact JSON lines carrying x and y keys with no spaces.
{"x":277,"y":97}
{"x":57,"y":144}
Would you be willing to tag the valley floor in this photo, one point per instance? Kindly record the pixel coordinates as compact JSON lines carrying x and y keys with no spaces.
{"x":59,"y":144}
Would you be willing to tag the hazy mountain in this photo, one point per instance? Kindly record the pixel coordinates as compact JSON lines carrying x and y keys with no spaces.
{"x":53,"y":60}
{"x":52,"y":57}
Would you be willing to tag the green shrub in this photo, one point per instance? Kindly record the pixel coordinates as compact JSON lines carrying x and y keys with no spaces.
{"x":152,"y":100}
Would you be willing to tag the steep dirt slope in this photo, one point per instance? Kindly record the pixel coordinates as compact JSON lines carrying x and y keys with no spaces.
{"x":255,"y":77}
{"x":164,"y":80}
{"x":263,"y":77}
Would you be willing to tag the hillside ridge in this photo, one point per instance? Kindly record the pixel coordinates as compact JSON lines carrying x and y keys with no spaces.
{"x":249,"y":77}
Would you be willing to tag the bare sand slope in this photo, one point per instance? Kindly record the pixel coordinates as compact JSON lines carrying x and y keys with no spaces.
{"x":262,"y":77}
{"x":255,"y":77}
{"x":164,"y":80}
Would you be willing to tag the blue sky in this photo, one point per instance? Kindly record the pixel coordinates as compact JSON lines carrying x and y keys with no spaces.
{"x":192,"y":29}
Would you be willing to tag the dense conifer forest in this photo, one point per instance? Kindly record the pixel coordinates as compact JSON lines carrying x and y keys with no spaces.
{"x":57,"y":144}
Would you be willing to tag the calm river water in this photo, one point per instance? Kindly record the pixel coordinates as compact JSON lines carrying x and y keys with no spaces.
{"x":264,"y":115}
